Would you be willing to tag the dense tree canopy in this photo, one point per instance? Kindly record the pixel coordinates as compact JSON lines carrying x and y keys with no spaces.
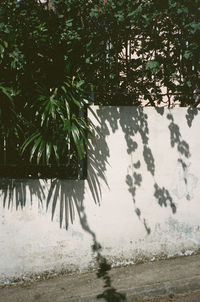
{"x":131,"y":50}
{"x":55,"y":54}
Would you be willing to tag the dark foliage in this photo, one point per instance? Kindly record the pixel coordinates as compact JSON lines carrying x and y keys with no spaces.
{"x":133,"y":51}
{"x":41,"y":99}
{"x":55,"y":54}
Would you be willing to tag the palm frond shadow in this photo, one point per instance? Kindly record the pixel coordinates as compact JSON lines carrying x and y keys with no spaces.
{"x":70,"y":194}
{"x":16,"y":192}
{"x":97,"y":160}
{"x":65,"y":194}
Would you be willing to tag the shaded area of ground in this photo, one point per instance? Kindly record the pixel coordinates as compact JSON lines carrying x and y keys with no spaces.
{"x":188,"y":297}
{"x":161,"y":281}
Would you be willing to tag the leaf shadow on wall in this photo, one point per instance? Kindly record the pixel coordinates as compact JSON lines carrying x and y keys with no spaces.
{"x":134,"y":122}
{"x":110,"y":293}
{"x":14,"y":192}
{"x":69,"y":195}
{"x":190,"y":115}
{"x":182,"y":147}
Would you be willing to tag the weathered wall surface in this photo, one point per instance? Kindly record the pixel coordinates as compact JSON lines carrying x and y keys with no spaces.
{"x":141,"y":199}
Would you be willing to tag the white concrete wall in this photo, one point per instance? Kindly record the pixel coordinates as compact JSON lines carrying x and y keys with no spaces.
{"x":141,"y":200}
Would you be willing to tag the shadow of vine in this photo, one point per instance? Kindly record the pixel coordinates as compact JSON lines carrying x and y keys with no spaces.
{"x":133,"y":123}
{"x":69,"y":195}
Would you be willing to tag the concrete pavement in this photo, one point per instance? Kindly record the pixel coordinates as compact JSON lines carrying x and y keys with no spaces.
{"x":175,"y":279}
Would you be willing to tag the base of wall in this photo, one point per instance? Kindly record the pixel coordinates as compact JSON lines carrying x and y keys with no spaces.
{"x":114,"y":262}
